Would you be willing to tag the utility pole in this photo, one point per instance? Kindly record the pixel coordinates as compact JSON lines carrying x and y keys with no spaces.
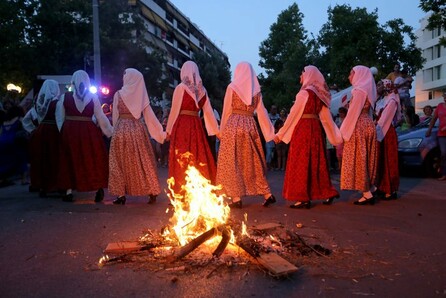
{"x":96,"y":44}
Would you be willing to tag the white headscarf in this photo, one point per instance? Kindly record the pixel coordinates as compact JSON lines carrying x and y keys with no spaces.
{"x":134,"y":92}
{"x":48,"y":92}
{"x":313,"y":80}
{"x":81,"y":84}
{"x":363,"y":81}
{"x":190,"y":78}
{"x":389,"y":89}
{"x":245,"y":82}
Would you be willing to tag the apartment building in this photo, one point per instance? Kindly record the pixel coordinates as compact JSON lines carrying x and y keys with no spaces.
{"x":430,"y":81}
{"x":174,"y":34}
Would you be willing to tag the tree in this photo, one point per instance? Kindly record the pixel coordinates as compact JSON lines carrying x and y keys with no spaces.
{"x":353,"y":36}
{"x":216,"y":76}
{"x":438,"y":17}
{"x":283,"y":55}
{"x":55,"y":37}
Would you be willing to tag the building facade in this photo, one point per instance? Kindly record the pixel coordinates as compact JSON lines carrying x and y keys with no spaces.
{"x":431,"y":79}
{"x":175,"y":35}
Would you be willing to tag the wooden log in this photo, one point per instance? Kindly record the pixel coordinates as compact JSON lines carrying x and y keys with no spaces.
{"x":126,"y":247}
{"x":275,"y":264}
{"x":271,"y":261}
{"x":225,"y":237}
{"x":188,"y":248}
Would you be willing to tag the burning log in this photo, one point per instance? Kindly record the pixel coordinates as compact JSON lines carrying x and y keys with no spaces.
{"x":188,"y":248}
{"x":226,"y":236}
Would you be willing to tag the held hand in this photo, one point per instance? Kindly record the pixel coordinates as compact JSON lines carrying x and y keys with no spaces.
{"x":167,"y":137}
{"x":428,"y":133}
{"x":276,"y":139}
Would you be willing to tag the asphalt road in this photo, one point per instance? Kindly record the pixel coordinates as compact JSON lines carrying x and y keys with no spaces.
{"x":50,"y":248}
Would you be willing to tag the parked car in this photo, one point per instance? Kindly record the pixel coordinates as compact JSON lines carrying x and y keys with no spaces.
{"x":417,"y":151}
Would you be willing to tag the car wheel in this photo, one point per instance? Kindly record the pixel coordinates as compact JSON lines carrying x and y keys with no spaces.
{"x":432,"y":163}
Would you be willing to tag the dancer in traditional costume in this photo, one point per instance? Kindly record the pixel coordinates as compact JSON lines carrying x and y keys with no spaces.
{"x":359,"y":162}
{"x":133,"y":169}
{"x":241,"y":168}
{"x":40,"y":122}
{"x":388,"y":111}
{"x":188,"y":141}
{"x":84,"y":158}
{"x":307,"y":177}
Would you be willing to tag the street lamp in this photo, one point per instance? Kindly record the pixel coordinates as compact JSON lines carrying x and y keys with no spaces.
{"x":12,"y":87}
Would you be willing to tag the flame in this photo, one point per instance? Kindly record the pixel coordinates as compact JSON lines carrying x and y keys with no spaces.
{"x":197,"y":209}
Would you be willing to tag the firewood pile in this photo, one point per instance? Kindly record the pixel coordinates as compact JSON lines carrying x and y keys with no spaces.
{"x":269,"y":247}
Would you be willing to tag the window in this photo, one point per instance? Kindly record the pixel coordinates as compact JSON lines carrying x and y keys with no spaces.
{"x":169,"y":17}
{"x":437,"y":73}
{"x":430,"y":95}
{"x":436,"y":32}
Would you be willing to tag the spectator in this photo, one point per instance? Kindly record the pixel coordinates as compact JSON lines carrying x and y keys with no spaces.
{"x":440,"y":114}
{"x":404,"y":84}
{"x":395,"y":73}
{"x":270,"y":146}
{"x":281,"y":147}
{"x":427,"y":110}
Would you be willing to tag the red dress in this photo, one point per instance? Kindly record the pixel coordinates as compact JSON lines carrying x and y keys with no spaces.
{"x":188,"y":135}
{"x":84,"y":165}
{"x":307,"y":177}
{"x":44,"y":152}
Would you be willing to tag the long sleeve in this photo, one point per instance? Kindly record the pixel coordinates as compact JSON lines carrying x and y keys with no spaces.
{"x":356,"y":104}
{"x":385,"y":120}
{"x":177,"y":100}
{"x":60,"y":112}
{"x":209,"y":118}
{"x":265,"y":123}
{"x":153,"y":125}
{"x":28,"y":120}
{"x":115,"y":110}
{"x":286,"y":132}
{"x":103,"y":122}
{"x":227,"y":108}
{"x":333,"y":133}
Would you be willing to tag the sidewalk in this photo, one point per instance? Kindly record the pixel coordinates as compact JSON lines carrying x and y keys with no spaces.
{"x":50,"y":248}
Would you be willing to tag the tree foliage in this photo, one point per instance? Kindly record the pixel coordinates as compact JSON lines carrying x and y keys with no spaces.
{"x":349,"y":37}
{"x":283,"y":55}
{"x":353,"y":36}
{"x":56,"y":37}
{"x":216,"y":76}
{"x":437,"y":19}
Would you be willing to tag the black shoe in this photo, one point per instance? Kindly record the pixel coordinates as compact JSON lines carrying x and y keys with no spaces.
{"x":301,"y":205}
{"x":152,"y":199}
{"x":269,"y":201}
{"x":370,"y":201}
{"x":329,"y":201}
{"x":392,"y":196}
{"x":119,"y":201}
{"x":99,"y":195}
{"x":68,"y":198}
{"x":236,"y":205}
